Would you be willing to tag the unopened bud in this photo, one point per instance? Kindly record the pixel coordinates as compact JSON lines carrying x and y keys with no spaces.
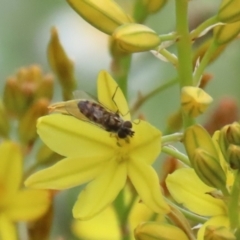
{"x":218,"y":233}
{"x":25,"y":88}
{"x":233,"y":155}
{"x":208,"y":169}
{"x":233,"y":133}
{"x":223,"y":143}
{"x":154,"y":5}
{"x":27,"y":124}
{"x":204,"y":156}
{"x":132,"y":37}
{"x":229,"y":11}
{"x":158,"y":231}
{"x":61,"y":65}
{"x":45,"y":88}
{"x":225,"y":33}
{"x":194,"y":101}
{"x":105,"y":15}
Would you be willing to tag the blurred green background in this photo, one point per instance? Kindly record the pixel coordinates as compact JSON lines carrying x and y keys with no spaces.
{"x":24,"y":34}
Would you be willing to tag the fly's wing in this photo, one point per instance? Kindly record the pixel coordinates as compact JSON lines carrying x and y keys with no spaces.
{"x":72,"y":105}
{"x":72,"y":108}
{"x":81,"y":95}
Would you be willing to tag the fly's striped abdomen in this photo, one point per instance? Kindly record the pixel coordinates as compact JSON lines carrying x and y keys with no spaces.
{"x":94,"y":112}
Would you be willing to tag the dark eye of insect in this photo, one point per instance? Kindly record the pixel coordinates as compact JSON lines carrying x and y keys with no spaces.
{"x":122,"y":134}
{"x":127,"y":124}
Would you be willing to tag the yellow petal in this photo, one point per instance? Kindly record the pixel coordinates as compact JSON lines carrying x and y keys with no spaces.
{"x":7,"y":229}
{"x":139,"y":213}
{"x":146,"y":183}
{"x":157,"y":231}
{"x":111,"y":96}
{"x":221,"y":220}
{"x":187,"y":189}
{"x":10,"y":166}
{"x":101,"y":192}
{"x":104,"y":15}
{"x":146,"y":142}
{"x":105,"y":226}
{"x":67,"y":173}
{"x":69,"y":136}
{"x":28,"y":205}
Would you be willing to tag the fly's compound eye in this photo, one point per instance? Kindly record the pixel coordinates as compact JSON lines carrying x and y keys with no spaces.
{"x":122,"y":134}
{"x":127,"y":124}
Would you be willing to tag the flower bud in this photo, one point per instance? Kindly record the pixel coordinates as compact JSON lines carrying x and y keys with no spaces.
{"x":158,"y":231}
{"x":24,"y":89}
{"x":132,"y":37}
{"x":13,"y":98}
{"x":233,"y":155}
{"x":105,"y":15}
{"x":218,"y":233}
{"x":225,"y":33}
{"x":229,"y":144}
{"x":61,"y":65}
{"x":45,"y":88}
{"x":229,"y":11}
{"x":208,"y":169}
{"x":27,"y":124}
{"x":233,"y":133}
{"x":153,"y":6}
{"x":194,"y":101}
{"x":204,"y":156}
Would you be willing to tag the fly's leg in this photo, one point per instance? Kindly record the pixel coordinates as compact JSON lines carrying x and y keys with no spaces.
{"x":117,"y":112}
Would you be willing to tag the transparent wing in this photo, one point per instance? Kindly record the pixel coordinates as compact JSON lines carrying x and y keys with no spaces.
{"x":81,"y":95}
{"x":72,"y":108}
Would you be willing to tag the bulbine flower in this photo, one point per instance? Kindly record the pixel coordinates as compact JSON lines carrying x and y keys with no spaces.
{"x":17,"y":204}
{"x":94,"y":155}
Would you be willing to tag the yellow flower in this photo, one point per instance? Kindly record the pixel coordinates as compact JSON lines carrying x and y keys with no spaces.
{"x":16,"y":204}
{"x":105,"y":225}
{"x":188,"y":190}
{"x":95,"y":155}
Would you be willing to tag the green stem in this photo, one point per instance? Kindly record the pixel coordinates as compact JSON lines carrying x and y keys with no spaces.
{"x":142,"y":99}
{"x":184,"y":51}
{"x":123,"y":212}
{"x":233,"y":207}
{"x":169,"y":56}
{"x":175,"y":137}
{"x":168,"y":37}
{"x":204,"y":62}
{"x":139,"y":11}
{"x":120,"y":68}
{"x":203,"y":26}
{"x":189,"y":215}
{"x":174,"y":153}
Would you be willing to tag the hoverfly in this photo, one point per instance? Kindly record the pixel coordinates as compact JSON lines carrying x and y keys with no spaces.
{"x":85,"y":108}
